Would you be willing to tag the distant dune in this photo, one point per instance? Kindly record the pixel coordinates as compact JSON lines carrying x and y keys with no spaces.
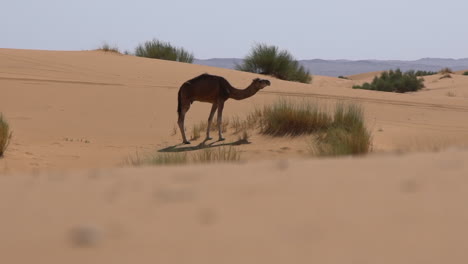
{"x":349,"y":67}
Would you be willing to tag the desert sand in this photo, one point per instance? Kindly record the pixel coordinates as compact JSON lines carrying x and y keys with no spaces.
{"x":67,"y":196}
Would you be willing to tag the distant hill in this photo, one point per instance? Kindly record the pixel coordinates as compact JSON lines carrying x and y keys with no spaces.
{"x":351,"y":67}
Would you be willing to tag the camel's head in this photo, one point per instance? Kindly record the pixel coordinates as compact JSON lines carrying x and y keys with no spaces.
{"x":260,"y":83}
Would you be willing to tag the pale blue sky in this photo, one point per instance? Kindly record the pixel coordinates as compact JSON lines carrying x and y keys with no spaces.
{"x":329,"y":29}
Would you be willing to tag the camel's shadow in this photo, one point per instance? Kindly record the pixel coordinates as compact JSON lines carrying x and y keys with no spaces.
{"x":203,"y":145}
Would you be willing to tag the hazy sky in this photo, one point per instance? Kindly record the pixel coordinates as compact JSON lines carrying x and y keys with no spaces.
{"x":328,"y":29}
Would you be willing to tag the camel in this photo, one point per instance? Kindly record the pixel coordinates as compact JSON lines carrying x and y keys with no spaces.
{"x":215,"y":90}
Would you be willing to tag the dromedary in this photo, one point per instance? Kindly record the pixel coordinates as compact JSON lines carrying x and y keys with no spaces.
{"x":212,"y":89}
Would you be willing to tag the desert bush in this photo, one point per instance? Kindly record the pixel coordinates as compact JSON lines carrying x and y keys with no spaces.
{"x":465,"y":73}
{"x":347,"y":135}
{"x":394,"y":81}
{"x":269,"y":60}
{"x":157,"y":49}
{"x":291,"y":118}
{"x":445,"y":71}
{"x":425,"y":73}
{"x":5,"y":135}
{"x":343,"y":77}
{"x":108,"y":48}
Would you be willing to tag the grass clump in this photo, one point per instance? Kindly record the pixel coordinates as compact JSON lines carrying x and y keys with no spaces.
{"x":465,"y":73}
{"x":210,"y":155}
{"x":445,"y":71}
{"x":157,"y":49}
{"x":207,"y":155}
{"x":394,"y":81}
{"x":5,"y":135}
{"x":270,"y":60}
{"x":287,"y":118}
{"x":343,"y":132}
{"x":347,"y":134}
{"x":158,"y":159}
{"x":108,"y":48}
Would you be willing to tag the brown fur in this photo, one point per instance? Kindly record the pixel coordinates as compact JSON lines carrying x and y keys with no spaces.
{"x":215,"y":90}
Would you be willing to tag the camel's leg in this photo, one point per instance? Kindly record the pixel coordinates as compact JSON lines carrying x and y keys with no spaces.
{"x":181,"y":120}
{"x":210,"y":119}
{"x":220,"y":119}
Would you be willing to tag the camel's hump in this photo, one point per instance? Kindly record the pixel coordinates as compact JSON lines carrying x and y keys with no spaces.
{"x":204,"y":77}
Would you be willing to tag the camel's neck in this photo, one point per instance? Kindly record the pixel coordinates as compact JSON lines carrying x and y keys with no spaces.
{"x":239,"y":94}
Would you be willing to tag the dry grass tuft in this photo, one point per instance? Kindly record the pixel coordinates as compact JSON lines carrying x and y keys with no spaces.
{"x":5,"y":135}
{"x":158,"y":159}
{"x":445,"y":71}
{"x":108,"y":48}
{"x":244,"y":137}
{"x":347,"y":135}
{"x":207,"y":155}
{"x":288,"y":118}
{"x":201,"y":127}
{"x":446,"y":76}
{"x":222,"y":154}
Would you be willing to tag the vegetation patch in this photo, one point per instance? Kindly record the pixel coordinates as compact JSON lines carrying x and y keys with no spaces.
{"x":425,"y":73}
{"x":5,"y":135}
{"x":347,"y":135}
{"x":270,"y":60}
{"x":157,"y":49}
{"x":341,"y":133}
{"x":445,"y":71}
{"x":108,"y":48}
{"x":206,"y":155}
{"x":446,"y":76}
{"x":394,"y":81}
{"x":288,"y":118}
{"x":221,"y":154}
{"x":465,"y":73}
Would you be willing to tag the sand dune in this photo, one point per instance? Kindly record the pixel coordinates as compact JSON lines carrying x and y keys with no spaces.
{"x":76,"y":116}
{"x":90,"y":109}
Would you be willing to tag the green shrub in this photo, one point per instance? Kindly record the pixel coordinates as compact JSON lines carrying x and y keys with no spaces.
{"x":425,"y":73}
{"x":156,"y":49}
{"x":394,"y":81}
{"x":343,"y":77}
{"x":465,"y":73}
{"x":5,"y":135}
{"x":269,"y":60}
